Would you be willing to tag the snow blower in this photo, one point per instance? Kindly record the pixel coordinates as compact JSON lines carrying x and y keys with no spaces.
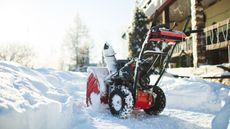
{"x":125,"y":84}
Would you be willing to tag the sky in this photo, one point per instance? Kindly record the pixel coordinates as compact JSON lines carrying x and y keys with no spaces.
{"x":44,"y":24}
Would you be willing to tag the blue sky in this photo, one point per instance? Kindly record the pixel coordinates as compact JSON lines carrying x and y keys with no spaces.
{"x":44,"y":23}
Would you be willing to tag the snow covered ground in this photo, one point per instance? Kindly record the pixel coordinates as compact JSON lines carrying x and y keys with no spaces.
{"x":50,"y":99}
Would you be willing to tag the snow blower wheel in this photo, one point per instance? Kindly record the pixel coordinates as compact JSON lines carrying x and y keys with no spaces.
{"x":121,"y":101}
{"x":159,"y":102}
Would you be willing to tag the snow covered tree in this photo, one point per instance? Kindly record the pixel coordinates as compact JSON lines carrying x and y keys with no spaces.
{"x":138,"y":33}
{"x":17,"y":52}
{"x":77,"y":43}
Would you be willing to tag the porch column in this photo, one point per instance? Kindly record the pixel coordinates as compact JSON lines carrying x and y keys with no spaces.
{"x":197,"y":21}
{"x":228,"y":54}
{"x":165,"y":16}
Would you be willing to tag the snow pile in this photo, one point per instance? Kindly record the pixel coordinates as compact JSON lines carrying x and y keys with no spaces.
{"x":193,"y":94}
{"x":197,"y":95}
{"x":37,"y":99}
{"x":203,"y":71}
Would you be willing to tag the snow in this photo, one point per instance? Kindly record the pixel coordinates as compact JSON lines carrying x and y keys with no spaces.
{"x":117,"y":102}
{"x":96,"y":103}
{"x":110,"y":59}
{"x":38,"y":99}
{"x":50,"y":99}
{"x":203,"y":71}
{"x":193,"y":94}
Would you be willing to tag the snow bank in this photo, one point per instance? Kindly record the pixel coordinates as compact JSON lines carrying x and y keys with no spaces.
{"x":193,"y":94}
{"x":202,"y":71}
{"x":38,"y":99}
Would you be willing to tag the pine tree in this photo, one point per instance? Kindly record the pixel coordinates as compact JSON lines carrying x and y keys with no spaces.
{"x":138,"y":33}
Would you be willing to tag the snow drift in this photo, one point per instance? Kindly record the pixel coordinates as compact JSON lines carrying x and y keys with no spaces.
{"x":38,"y":99}
{"x":50,"y":99}
{"x":194,"y":94}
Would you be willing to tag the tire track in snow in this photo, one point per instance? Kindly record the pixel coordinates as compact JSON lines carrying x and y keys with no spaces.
{"x":169,"y":119}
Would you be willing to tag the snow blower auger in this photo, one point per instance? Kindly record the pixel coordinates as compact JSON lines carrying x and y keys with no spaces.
{"x":125,"y":84}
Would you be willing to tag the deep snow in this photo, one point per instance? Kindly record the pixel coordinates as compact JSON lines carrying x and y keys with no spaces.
{"x":50,"y":99}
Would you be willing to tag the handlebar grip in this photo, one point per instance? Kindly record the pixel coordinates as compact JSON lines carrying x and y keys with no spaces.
{"x":193,"y":31}
{"x":162,"y":25}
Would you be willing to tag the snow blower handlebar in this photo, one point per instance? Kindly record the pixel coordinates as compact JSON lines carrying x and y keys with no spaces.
{"x":187,"y":33}
{"x":186,"y":23}
{"x":163,"y":33}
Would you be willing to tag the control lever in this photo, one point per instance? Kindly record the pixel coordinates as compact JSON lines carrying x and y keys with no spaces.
{"x":186,"y":23}
{"x":187,"y":33}
{"x":174,"y":25}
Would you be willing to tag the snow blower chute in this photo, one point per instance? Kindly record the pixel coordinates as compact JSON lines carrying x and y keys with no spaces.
{"x":125,"y":84}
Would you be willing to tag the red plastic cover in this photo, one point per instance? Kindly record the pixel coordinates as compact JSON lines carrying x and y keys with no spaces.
{"x":167,"y":36}
{"x":143,"y":100}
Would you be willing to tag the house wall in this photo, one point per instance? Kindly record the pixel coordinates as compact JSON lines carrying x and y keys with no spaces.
{"x":180,"y":25}
{"x":217,"y":12}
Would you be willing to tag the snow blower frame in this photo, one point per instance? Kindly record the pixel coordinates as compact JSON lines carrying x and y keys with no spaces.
{"x":129,"y":87}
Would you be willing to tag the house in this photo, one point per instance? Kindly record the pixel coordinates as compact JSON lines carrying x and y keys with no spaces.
{"x":213,"y":16}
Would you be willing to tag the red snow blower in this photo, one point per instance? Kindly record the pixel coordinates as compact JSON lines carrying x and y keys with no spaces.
{"x":125,"y":84}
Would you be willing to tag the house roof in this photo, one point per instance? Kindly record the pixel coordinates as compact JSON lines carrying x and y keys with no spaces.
{"x":179,"y":9}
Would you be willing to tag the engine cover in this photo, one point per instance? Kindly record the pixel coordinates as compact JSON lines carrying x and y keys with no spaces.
{"x":143,"y":100}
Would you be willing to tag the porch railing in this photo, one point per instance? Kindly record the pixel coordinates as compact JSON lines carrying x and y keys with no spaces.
{"x":217,"y":36}
{"x":183,"y":47}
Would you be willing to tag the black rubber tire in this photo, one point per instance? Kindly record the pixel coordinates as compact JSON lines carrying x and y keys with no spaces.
{"x":126,"y":98}
{"x":158,"y":104}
